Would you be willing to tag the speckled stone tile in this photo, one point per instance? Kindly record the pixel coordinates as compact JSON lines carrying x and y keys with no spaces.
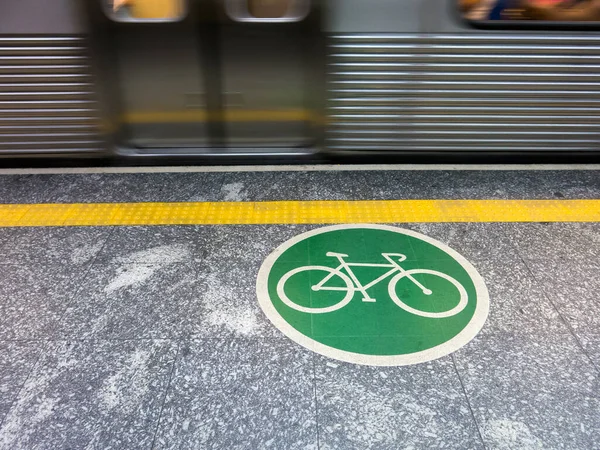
{"x":396,"y":184}
{"x":42,"y":271}
{"x":270,"y":186}
{"x":93,"y":395}
{"x":419,"y":407}
{"x":249,"y":244}
{"x":17,"y":359}
{"x":24,"y":188}
{"x":473,"y":184}
{"x":563,"y":260}
{"x":129,"y":299}
{"x":34,"y":297}
{"x":389,"y":185}
{"x":298,"y":185}
{"x":195,"y":187}
{"x":5,"y":237}
{"x":556,"y":242}
{"x":240,"y":394}
{"x":531,"y":390}
{"x":569,"y":183}
{"x":134,"y":187}
{"x":137,"y":242}
{"x":573,"y":287}
{"x":90,"y":188}
{"x":162,"y":293}
{"x":229,"y":304}
{"x":591,"y":345}
{"x":517,"y":301}
{"x":54,"y":246}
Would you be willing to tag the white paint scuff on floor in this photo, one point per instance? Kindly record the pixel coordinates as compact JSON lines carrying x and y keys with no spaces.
{"x":233,"y":192}
{"x":138,"y":267}
{"x":132,"y":377}
{"x":511,"y":435}
{"x":223,"y":311}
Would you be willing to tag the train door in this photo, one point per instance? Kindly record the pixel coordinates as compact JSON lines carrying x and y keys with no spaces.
{"x":209,"y":77}
{"x":271,"y":62}
{"x":153,"y":73}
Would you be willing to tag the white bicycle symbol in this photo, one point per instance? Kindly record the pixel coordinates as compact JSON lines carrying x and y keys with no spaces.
{"x":353,"y":285}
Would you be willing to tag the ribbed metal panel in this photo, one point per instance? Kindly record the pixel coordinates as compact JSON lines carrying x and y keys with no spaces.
{"x":464,"y":92}
{"x":47,"y":103}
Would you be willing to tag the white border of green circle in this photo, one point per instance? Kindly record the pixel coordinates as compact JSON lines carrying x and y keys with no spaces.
{"x":461,"y":339}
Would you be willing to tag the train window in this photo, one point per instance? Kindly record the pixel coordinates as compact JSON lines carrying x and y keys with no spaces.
{"x":144,"y":10}
{"x":267,"y":10}
{"x":557,"y":11}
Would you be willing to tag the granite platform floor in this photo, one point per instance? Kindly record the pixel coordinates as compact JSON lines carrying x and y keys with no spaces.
{"x":152,"y":337}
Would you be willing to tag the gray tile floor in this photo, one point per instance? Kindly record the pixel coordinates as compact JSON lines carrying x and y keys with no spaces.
{"x":151,"y":337}
{"x":239,"y":186}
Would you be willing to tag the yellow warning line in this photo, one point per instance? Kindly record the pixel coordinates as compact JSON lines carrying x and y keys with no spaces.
{"x":298,"y":212}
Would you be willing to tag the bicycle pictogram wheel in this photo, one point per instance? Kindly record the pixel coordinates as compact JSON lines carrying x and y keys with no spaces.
{"x":348,"y":290}
{"x":463,"y":296}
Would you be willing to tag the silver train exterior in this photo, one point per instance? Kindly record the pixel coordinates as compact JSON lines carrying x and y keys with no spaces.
{"x":334,"y":77}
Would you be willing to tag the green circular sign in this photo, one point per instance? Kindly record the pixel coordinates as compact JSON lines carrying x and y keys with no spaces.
{"x":372,"y":294}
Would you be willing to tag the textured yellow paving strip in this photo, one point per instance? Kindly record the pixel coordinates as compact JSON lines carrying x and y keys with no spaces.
{"x":298,"y":212}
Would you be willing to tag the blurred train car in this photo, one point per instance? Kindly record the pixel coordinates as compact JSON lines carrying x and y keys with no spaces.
{"x":292,"y":78}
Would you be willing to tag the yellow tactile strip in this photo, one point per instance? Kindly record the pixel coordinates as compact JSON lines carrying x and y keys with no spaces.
{"x":298,"y":212}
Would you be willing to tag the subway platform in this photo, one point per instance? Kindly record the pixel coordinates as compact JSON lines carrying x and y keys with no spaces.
{"x":322,"y":307}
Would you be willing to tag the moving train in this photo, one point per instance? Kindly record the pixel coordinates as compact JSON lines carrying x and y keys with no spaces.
{"x":277,"y":79}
